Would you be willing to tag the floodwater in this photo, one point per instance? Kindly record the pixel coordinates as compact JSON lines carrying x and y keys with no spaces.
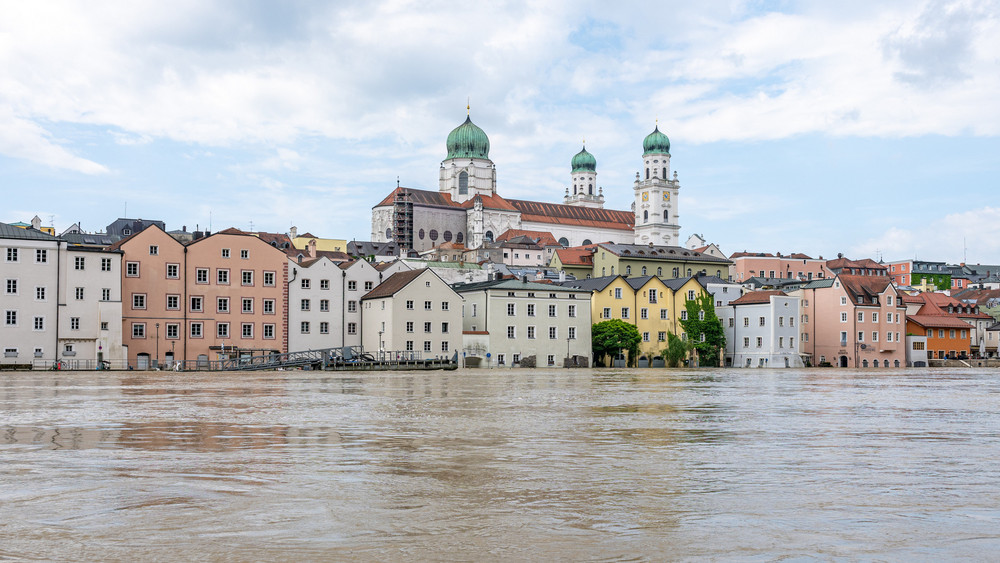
{"x":538,"y":465}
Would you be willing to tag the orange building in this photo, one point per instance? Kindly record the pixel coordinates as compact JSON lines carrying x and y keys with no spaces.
{"x":947,"y":336}
{"x":222,"y":295}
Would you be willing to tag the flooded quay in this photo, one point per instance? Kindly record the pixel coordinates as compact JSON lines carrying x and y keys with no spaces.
{"x":497,"y":465}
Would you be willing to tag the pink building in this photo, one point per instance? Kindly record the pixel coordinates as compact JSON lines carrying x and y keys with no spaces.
{"x":748,"y":265}
{"x":223,"y":295}
{"x":853,"y":321}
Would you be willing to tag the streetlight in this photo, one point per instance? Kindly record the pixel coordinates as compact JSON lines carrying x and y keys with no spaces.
{"x":566,"y":361}
{"x":157,"y":362}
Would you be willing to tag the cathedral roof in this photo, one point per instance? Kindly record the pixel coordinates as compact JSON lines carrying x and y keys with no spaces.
{"x":561,"y":214}
{"x":543,"y":238}
{"x":656,"y":143}
{"x":584,"y":161}
{"x":468,"y":141}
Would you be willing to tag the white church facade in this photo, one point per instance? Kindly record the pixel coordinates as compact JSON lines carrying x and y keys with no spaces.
{"x":466,"y":209}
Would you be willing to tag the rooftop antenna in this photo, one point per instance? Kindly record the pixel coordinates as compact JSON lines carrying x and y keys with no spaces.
{"x":251,"y":225}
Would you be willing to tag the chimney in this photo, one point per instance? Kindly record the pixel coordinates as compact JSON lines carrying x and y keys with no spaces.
{"x":562,"y":275}
{"x":312,"y":248}
{"x":36,"y":224}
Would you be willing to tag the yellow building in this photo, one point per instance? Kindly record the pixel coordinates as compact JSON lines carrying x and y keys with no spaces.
{"x":653,"y":305}
{"x":321,"y":244}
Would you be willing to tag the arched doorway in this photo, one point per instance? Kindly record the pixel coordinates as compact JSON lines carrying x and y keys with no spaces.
{"x":142,"y":361}
{"x":843,"y":361}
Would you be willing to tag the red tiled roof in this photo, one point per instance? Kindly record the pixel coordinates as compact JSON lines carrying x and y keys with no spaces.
{"x":576,"y":256}
{"x":756,"y":297}
{"x":489,"y":202}
{"x":937,"y":321}
{"x":544,"y":238}
{"x":419,"y":197}
{"x":561,"y":214}
{"x":866,"y":263}
{"x":864,"y":286}
{"x":393,"y":284}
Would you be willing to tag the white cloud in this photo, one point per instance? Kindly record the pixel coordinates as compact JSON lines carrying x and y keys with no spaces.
{"x":946,"y":238}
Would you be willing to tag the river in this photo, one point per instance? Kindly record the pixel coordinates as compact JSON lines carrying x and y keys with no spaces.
{"x":483,"y":465}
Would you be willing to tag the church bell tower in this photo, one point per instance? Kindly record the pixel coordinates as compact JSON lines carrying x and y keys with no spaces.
{"x":656,"y":216}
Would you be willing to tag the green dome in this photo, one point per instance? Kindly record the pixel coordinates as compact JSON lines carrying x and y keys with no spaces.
{"x":584,"y":162}
{"x":468,"y":141}
{"x":656,"y":143}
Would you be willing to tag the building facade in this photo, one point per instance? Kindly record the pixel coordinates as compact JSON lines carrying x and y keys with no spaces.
{"x":761,"y":330}
{"x":412,"y":313}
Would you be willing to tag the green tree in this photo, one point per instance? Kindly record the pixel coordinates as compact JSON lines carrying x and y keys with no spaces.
{"x":676,"y":350}
{"x":611,"y":337}
{"x":704,"y":329}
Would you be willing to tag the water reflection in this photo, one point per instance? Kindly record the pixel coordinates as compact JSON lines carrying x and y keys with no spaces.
{"x":501,"y":464}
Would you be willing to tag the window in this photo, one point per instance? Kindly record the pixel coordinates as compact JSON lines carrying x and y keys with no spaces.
{"x":409,"y":304}
{"x":861,"y":317}
{"x":427,"y":326}
{"x":78,"y":293}
{"x":571,"y":311}
{"x":888,"y":337}
{"x":552,"y":310}
{"x":746,"y":341}
{"x":861,"y":336}
{"x":888,"y":300}
{"x":106,"y":294}
{"x":531,"y":309}
{"x":428,"y":306}
{"x":427,"y":345}
{"x":445,"y":306}
{"x":746,"y":321}
{"x":352,"y":328}
{"x":791,"y":321}
{"x":79,"y":263}
{"x":645,"y":337}
{"x":606,"y":314}
{"x":843,"y":317}
{"x":173,"y":302}
{"x":444,"y":328}
{"x":138,"y":330}
{"x":760,"y":342}
{"x":201,"y":275}
{"x":40,"y":293}
{"x":652,"y":296}
{"x":304,"y":305}
{"x":196,"y":304}
{"x":618,"y":293}
{"x":41,"y":256}
{"x":781,"y":342}
{"x":731,"y":322}
{"x":625,"y":312}
{"x":154,"y":250}
{"x":138,"y":300}
{"x":643,"y":313}
{"x":304,"y":327}
{"x":222,"y":304}
{"x":269,"y":279}
{"x":511,"y":332}
{"x":369,"y":285}
{"x":268,"y":306}
{"x":246,"y":330}
{"x":531,"y":333}
{"x":74,"y":323}
{"x":843,"y":300}
{"x":875,"y":317}
{"x":225,"y":253}
{"x":12,"y":287}
{"x":690,"y":295}
{"x":222,"y":330}
{"x":352,"y":306}
{"x":306,"y":283}
{"x":12,"y":255}
{"x":173,"y":331}
{"x":409,"y":326}
{"x":173,"y":271}
{"x":781,"y":321}
{"x":222,"y":276}
{"x":444,"y":345}
{"x":551,"y":359}
{"x":244,"y":254}
{"x":324,"y":305}
{"x":131,"y":269}
{"x":474,"y":309}
{"x":247,"y":277}
{"x":500,"y":359}
{"x":571,"y":333}
{"x":684,"y":315}
{"x":510,"y":309}
{"x":663,"y":314}
{"x":553,"y":333}
{"x":701,"y":315}
{"x":409,"y":345}
{"x":246,"y":305}
{"x":661,"y":336}
{"x":196,"y":330}
{"x":11,"y":318}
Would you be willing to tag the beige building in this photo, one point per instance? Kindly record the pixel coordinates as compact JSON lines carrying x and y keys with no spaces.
{"x":413,"y":313}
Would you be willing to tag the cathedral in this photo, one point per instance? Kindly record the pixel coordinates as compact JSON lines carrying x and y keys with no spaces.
{"x":466,"y":209}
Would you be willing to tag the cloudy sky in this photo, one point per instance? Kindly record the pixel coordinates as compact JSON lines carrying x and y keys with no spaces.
{"x":868,"y":128}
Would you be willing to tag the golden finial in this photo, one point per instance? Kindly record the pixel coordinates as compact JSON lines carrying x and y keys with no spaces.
{"x":468,"y":106}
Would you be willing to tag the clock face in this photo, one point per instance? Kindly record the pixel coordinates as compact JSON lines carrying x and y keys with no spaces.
{"x":666,"y":196}
{"x":645,"y":196}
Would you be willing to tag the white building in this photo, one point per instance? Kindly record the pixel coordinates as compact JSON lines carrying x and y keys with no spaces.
{"x":90,"y":313}
{"x":521,"y":319}
{"x":761,"y":330}
{"x":30,"y":295}
{"x":412,"y":312}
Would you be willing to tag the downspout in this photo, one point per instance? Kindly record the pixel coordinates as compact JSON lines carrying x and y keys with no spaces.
{"x":186,"y":330}
{"x":736,"y":328}
{"x":288,"y":305}
{"x":343,"y":308}
{"x":59,"y":293}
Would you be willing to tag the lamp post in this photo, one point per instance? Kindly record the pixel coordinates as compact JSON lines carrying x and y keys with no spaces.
{"x":566,"y":361}
{"x":157,"y":362}
{"x":173,"y":358}
{"x":380,"y":351}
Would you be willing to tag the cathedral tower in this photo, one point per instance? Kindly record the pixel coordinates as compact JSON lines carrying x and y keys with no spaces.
{"x":583,"y":172}
{"x":656,"y":194}
{"x":467,"y":169}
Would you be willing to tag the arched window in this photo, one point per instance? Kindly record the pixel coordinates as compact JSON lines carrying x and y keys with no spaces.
{"x":659,"y":272}
{"x":459,"y":237}
{"x":644,"y":270}
{"x":590,"y":189}
{"x":664,"y":173}
{"x":587,"y":241}
{"x":447,"y":236}
{"x":689,"y":272}
{"x":875,"y":364}
{"x":564,"y":241}
{"x":628,"y":270}
{"x":612,"y":270}
{"x":864,"y":363}
{"x":574,"y":189}
{"x":677,"y":272}
{"x":488,"y":236}
{"x":463,"y":183}
{"x":645,"y":216}
{"x":420,"y":234}
{"x":603,"y":272}
{"x":895,"y":363}
{"x":388,"y":234}
{"x":647,"y":173}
